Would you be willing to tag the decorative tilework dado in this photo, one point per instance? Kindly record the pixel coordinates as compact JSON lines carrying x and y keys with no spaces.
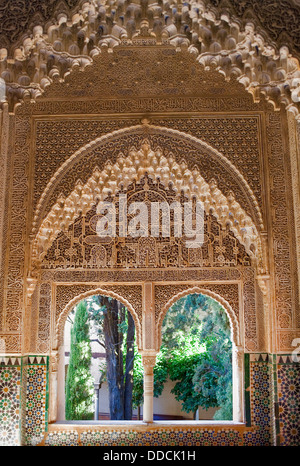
{"x":139,"y":435}
{"x":260,"y":391}
{"x":23,"y":399}
{"x":288,"y":389}
{"x":272,"y":395}
{"x":36,"y":398}
{"x":10,"y":382}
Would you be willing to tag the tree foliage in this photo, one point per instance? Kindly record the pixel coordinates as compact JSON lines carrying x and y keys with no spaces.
{"x":116,"y":332}
{"x":79,"y":382}
{"x":213,"y":376}
{"x":195,"y":354}
{"x":197,"y":347}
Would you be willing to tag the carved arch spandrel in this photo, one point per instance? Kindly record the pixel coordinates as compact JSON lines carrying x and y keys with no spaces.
{"x":189,"y":289}
{"x":60,"y":324}
{"x":172,"y":138}
{"x":156,"y":163}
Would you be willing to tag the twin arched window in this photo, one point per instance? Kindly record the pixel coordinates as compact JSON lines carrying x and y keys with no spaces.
{"x":104,"y":374}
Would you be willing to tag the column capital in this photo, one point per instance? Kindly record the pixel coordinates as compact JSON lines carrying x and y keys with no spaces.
{"x":149,"y":358}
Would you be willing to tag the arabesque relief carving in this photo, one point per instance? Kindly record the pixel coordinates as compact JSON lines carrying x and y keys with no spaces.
{"x":184,"y":148}
{"x":81,"y":246}
{"x":134,"y":166}
{"x":215,"y":38}
{"x":74,"y":143}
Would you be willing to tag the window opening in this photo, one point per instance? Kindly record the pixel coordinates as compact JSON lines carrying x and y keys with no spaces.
{"x":100,"y":350}
{"x":193,"y":372}
{"x":193,"y":376}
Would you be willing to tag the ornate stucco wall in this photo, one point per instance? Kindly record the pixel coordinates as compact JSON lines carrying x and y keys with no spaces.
{"x":202,"y":129}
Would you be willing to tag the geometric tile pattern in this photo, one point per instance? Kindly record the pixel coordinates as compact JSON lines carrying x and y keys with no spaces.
{"x":64,"y":438}
{"x":288,"y":389}
{"x":36,"y":398}
{"x":10,"y":382}
{"x":269,"y":381}
{"x":160,"y":437}
{"x":262,"y":401}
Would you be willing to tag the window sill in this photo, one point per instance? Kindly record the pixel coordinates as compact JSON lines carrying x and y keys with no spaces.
{"x":82,"y":432}
{"x":103,"y":423}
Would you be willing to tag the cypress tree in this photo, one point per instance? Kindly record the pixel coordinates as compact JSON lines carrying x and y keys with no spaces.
{"x":79,"y":382}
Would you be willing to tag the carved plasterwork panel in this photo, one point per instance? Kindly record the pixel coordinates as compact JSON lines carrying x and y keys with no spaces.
{"x":80,"y":247}
{"x":130,"y":72}
{"x":16,"y":224}
{"x":250,"y":309}
{"x":251,"y":139}
{"x":237,"y":137}
{"x":181,"y":146}
{"x":215,"y":39}
{"x":149,"y":190}
{"x":145,"y":105}
{"x":141,"y":275}
{"x":44,"y":318}
{"x":88,"y":189}
{"x":286,"y":289}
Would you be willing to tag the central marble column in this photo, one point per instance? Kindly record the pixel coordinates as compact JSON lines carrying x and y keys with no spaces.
{"x":149,"y":351}
{"x":148,"y":363}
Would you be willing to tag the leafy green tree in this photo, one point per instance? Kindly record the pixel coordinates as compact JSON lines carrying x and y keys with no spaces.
{"x":79,"y":382}
{"x":138,"y":382}
{"x":116,"y":333}
{"x":184,"y":318}
{"x":197,"y":348}
{"x":213,"y":374}
{"x":181,"y":365}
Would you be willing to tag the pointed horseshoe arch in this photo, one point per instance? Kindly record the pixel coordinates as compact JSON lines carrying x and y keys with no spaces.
{"x":59,"y":331}
{"x":234,"y":324}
